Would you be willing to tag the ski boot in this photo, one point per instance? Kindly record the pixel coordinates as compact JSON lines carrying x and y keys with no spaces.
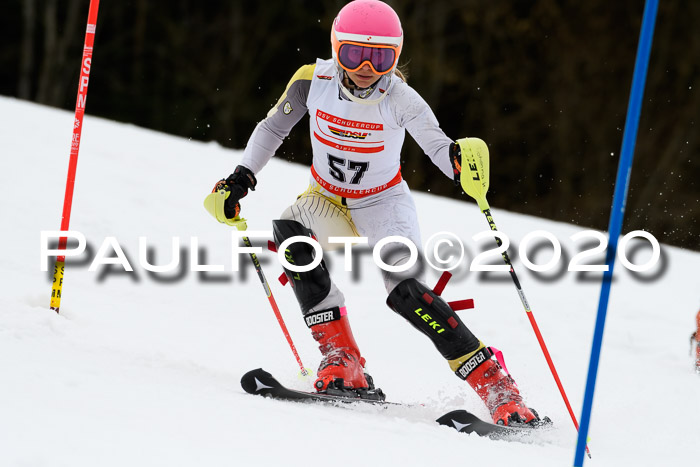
{"x":497,"y":389}
{"x":341,"y":371}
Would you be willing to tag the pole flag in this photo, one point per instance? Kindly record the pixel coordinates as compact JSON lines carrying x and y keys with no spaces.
{"x":59,"y":266}
{"x":618,"y":210}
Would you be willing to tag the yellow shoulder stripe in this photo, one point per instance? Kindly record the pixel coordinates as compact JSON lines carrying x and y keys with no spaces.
{"x":306,"y":72}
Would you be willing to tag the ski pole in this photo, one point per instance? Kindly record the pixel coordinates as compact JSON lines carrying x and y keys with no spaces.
{"x":475,"y":182}
{"x":59,"y":265}
{"x":242,"y":225}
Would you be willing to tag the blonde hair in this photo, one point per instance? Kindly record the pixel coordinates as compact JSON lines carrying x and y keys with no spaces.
{"x":402,"y":72}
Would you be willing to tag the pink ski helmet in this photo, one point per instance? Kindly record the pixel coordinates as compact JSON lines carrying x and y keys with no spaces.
{"x":367,"y":32}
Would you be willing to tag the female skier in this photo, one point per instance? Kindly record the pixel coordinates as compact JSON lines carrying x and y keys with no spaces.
{"x":359,"y":107}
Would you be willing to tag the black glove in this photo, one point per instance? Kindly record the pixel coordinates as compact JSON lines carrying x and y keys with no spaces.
{"x":237,"y":184}
{"x":456,"y":160}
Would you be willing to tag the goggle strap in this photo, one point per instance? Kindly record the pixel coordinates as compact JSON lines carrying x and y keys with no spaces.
{"x":362,"y":38}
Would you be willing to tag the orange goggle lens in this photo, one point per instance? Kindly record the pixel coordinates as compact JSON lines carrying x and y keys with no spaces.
{"x":352,"y":56}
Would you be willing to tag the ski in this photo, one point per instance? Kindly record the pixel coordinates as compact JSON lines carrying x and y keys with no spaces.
{"x":262,"y":383}
{"x":466,"y":422}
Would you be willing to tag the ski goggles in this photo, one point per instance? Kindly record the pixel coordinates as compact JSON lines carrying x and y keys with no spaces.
{"x":353,"y":55}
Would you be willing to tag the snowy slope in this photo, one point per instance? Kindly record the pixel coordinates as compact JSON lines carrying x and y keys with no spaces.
{"x":143,"y":369}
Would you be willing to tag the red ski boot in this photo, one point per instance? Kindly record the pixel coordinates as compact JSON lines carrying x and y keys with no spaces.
{"x":496,"y":388}
{"x":342,"y":366}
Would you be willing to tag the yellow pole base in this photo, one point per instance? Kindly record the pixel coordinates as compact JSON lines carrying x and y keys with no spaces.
{"x":57,"y":286}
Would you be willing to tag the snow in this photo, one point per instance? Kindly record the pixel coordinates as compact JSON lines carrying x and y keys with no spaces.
{"x":143,"y":368}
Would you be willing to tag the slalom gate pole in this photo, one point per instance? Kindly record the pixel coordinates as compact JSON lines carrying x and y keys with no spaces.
{"x":241,"y":225}
{"x":475,"y":182}
{"x":85,"y":64}
{"x":624,"y":169}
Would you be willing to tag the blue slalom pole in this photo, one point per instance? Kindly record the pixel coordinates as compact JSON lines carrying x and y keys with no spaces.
{"x":618,"y":210}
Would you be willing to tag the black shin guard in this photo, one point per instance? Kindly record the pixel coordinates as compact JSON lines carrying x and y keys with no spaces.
{"x":310,"y":287}
{"x":432,"y":316}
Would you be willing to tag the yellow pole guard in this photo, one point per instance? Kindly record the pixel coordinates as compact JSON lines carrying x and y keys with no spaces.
{"x":214,"y":204}
{"x":57,"y":286}
{"x":475,"y":169}
{"x":239,"y":223}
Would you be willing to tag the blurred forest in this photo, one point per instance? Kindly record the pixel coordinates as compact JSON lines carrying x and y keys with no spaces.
{"x":544,"y":82}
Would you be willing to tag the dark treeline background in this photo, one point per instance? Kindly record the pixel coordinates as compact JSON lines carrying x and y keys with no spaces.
{"x":545,"y":83}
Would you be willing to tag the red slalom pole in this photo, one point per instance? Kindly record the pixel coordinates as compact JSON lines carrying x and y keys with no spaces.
{"x":242,"y":225}
{"x":530,"y":316}
{"x":550,"y":363}
{"x":474,"y":179}
{"x":86,"y":62}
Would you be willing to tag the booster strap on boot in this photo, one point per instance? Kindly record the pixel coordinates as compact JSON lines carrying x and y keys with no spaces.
{"x":324,"y":316}
{"x":468,"y":363}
